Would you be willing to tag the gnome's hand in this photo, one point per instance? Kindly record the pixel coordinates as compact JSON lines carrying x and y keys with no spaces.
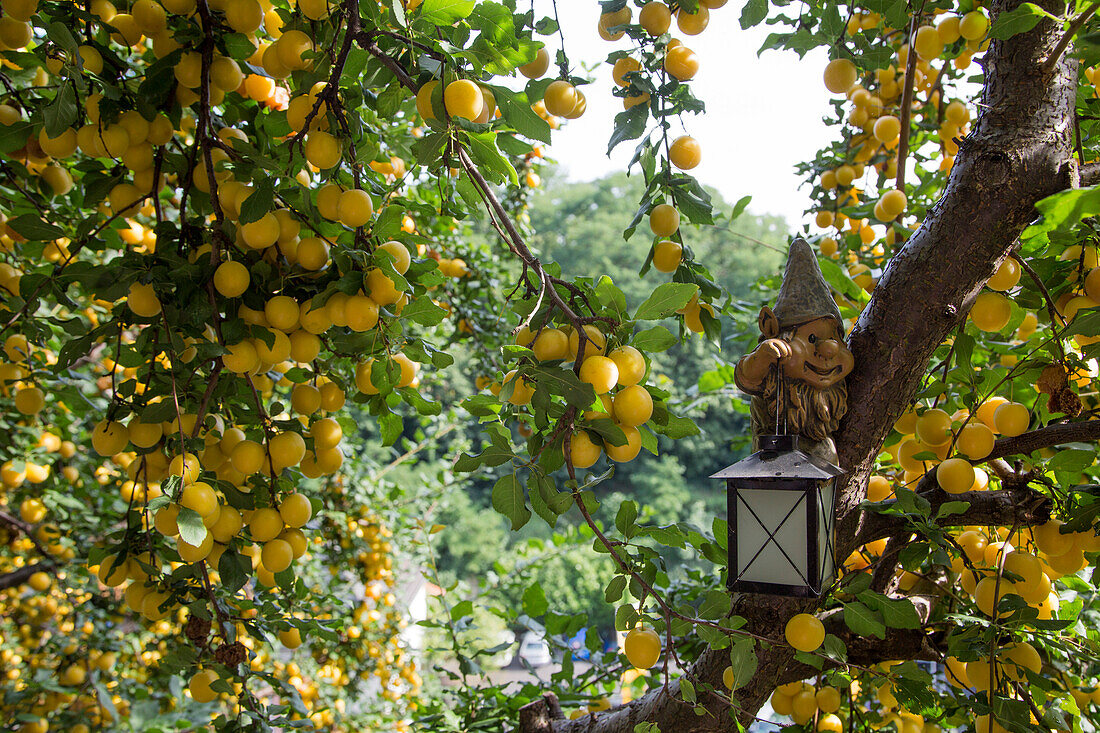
{"x":754,"y":367}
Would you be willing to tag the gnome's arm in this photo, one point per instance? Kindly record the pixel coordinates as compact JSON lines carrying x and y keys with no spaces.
{"x":753,"y":368}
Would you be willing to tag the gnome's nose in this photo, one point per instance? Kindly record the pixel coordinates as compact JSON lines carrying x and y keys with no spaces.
{"x":828,"y":348}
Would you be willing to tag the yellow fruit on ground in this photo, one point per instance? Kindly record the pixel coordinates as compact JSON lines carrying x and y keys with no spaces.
{"x":642,"y":647}
{"x":804,"y":632}
{"x":840,"y":76}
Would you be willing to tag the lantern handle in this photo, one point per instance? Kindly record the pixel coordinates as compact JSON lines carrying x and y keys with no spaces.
{"x":779,"y":398}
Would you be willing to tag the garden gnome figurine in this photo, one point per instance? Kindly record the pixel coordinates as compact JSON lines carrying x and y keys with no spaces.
{"x":802,"y":354}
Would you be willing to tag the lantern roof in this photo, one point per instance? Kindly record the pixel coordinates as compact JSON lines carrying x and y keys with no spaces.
{"x":780,"y":458}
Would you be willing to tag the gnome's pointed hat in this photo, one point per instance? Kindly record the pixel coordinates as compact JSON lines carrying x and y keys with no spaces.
{"x":804,"y":294}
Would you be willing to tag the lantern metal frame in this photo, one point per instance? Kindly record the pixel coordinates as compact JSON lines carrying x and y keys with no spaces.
{"x":779,"y":465}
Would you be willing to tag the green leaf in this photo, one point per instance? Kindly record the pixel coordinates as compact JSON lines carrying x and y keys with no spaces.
{"x":657,"y":338}
{"x":508,"y":500}
{"x":31,"y":227}
{"x":60,"y":34}
{"x":626,"y":617}
{"x":517,"y":112}
{"x":1020,"y":19}
{"x":838,"y":279}
{"x":615,"y":588}
{"x":233,"y":570}
{"x":739,"y":207}
{"x":566,"y":384}
{"x":625,"y":518}
{"x":716,"y":604}
{"x":13,"y":137}
{"x":423,"y":311}
{"x":666,"y":300}
{"x":898,"y":613}
{"x":61,"y":112}
{"x":629,"y":125}
{"x":192,"y":530}
{"x":534,"y":601}
{"x":687,"y":690}
{"x":259,"y":202}
{"x":753,"y":12}
{"x":743,"y":661}
{"x":864,"y":621}
{"x":446,"y":12}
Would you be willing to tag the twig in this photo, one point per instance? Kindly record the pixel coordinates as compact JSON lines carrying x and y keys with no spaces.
{"x":1064,"y":42}
{"x":907,"y":98}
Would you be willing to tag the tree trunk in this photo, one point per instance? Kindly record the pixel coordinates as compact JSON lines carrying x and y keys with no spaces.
{"x":1018,"y":153}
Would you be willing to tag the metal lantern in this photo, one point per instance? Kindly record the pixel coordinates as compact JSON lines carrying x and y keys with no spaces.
{"x":781,"y":516}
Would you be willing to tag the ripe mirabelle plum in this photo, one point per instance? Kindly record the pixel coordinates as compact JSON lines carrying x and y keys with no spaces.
{"x":537,"y":66}
{"x":231,"y":279}
{"x":927,"y":43}
{"x":261,"y":233}
{"x":600,"y":372}
{"x":879,"y":489}
{"x":975,"y":441}
{"x":248,"y":457}
{"x":887,"y":129}
{"x":681,"y":63}
{"x":642,"y":647}
{"x":463,"y":98}
{"x":664,"y":220}
{"x":631,"y":365}
{"x":934,"y":427}
{"x":550,"y":345}
{"x":322,"y":150}
{"x":692,"y":24}
{"x":629,"y":450}
{"x":282,"y":312}
{"x":624,"y":66}
{"x":354,"y":208}
{"x":1011,"y":419}
{"x":685,"y":152}
{"x":200,"y":497}
{"x":583,"y":452}
{"x":840,"y":76}
{"x":291,"y":638}
{"x":326,"y":433}
{"x":276,"y":555}
{"x":655,"y":17}
{"x":974,"y":25}
{"x":561,"y":98}
{"x":1006,"y":276}
{"x":109,"y":437}
{"x":199,"y":686}
{"x":891,"y":205}
{"x":804,"y":632}
{"x":522,"y":392}
{"x":295,"y":510}
{"x":608,"y":21}
{"x":29,"y":400}
{"x":143,"y":300}
{"x":955,"y":475}
{"x":595,"y":343}
{"x":265,"y":524}
{"x":632,"y":405}
{"x":828,"y":699}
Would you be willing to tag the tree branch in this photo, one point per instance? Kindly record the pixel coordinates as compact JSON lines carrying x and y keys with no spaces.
{"x":20,"y":576}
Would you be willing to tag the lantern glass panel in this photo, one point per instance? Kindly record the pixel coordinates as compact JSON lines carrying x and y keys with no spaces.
{"x":826,"y":495}
{"x":781,"y":557}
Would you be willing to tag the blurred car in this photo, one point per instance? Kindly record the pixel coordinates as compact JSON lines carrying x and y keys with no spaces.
{"x":533,"y":649}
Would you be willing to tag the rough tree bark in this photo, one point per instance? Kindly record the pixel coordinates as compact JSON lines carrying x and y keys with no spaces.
{"x":1019,"y":152}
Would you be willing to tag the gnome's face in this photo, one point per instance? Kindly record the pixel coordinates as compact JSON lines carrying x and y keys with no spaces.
{"x":819,"y":356}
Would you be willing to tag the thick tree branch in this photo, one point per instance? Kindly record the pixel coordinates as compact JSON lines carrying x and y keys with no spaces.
{"x":1018,"y":153}
{"x":20,"y":576}
{"x":1058,"y":434}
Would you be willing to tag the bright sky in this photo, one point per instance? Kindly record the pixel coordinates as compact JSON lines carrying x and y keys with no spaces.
{"x":763,"y":114}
